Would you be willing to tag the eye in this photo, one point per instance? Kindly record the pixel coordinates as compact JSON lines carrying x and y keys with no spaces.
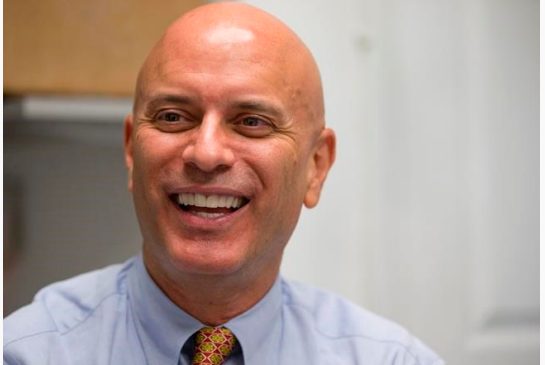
{"x":254,"y":126}
{"x":169,"y":116}
{"x":172,"y":120}
{"x":252,"y":122}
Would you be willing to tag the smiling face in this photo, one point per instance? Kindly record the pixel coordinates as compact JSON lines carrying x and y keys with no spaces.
{"x":225,"y":144}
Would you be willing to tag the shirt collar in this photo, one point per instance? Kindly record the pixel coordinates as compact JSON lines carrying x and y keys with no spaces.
{"x":164,"y":328}
{"x":258,"y":330}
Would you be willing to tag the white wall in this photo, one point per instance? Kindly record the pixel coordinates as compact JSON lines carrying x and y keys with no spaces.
{"x":430,"y":216}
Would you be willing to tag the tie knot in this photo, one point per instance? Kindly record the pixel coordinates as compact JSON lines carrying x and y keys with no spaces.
{"x":213,"y":345}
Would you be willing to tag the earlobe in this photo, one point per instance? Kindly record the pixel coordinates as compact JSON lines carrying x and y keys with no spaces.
{"x":322,"y":160}
{"x":128,"y":148}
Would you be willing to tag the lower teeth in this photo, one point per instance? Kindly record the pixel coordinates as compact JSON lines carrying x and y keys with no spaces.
{"x":209,"y":215}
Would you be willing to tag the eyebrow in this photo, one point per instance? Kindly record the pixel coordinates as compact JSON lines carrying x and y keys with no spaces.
{"x":157,"y":100}
{"x":259,"y":106}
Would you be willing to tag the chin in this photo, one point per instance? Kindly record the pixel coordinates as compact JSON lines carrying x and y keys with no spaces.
{"x":208,"y":261}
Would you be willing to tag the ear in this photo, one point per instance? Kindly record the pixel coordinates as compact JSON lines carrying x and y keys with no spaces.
{"x":128,"y":147}
{"x":322,"y":160}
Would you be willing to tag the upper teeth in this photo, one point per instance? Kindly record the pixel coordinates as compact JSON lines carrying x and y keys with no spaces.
{"x":209,"y":201}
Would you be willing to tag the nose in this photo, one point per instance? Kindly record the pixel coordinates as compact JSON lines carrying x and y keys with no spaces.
{"x":208,"y":149}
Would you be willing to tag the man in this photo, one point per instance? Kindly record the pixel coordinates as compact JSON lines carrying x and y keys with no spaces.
{"x":225,"y":144}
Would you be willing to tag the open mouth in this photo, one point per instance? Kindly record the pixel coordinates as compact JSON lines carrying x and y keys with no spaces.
{"x":209,"y":206}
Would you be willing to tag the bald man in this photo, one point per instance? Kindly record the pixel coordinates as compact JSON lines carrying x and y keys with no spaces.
{"x":225,"y":144}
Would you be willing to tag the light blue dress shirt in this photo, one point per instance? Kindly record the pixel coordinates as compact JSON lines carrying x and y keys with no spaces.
{"x":118,"y":315}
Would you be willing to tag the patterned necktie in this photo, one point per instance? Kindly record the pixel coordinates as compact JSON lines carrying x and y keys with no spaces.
{"x":213,"y":345}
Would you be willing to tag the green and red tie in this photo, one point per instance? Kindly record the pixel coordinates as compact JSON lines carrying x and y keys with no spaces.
{"x":213,"y":345}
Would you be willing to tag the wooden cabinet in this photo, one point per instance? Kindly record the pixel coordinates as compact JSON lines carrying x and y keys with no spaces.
{"x":81,"y":47}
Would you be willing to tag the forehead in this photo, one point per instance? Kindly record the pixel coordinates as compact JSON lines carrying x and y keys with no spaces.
{"x":223,"y":60}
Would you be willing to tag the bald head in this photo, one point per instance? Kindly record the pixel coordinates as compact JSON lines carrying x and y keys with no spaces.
{"x":235,"y":33}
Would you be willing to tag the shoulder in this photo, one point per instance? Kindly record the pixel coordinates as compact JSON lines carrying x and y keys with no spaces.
{"x":62,"y":306}
{"x":338,"y":321}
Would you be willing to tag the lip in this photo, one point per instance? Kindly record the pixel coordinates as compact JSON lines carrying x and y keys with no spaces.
{"x":195,"y":222}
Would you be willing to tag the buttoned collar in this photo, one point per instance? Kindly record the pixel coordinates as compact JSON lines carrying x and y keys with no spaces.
{"x":163,"y":327}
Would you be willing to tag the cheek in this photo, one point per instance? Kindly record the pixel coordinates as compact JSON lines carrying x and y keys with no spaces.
{"x":275,"y":162}
{"x":152,"y":152}
{"x":282,"y":170}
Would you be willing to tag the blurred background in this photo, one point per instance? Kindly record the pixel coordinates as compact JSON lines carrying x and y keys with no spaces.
{"x":429,"y":217}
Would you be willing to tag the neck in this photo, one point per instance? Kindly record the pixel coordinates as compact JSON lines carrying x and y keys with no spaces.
{"x":213,"y":299}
